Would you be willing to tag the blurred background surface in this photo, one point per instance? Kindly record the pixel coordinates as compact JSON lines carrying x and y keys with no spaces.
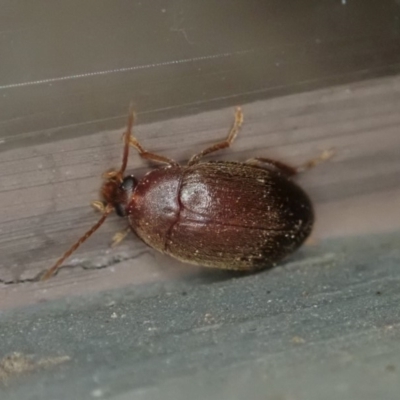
{"x":310,"y":76}
{"x":70,"y":67}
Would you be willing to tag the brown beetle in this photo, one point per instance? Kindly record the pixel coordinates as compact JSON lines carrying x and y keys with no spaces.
{"x":228,"y":215}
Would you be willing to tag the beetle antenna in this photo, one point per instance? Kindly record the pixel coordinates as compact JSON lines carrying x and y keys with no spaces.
{"x":108,"y":208}
{"x":127,"y":136}
{"x":51,"y":271}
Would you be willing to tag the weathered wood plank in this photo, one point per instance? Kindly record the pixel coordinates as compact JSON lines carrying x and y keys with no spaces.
{"x":45,"y":190}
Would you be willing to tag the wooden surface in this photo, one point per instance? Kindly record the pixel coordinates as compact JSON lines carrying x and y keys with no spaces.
{"x":45,"y":190}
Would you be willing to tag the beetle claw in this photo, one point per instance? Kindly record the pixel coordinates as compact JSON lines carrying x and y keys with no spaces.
{"x":119,"y":237}
{"x":324,"y":156}
{"x":98,"y":206}
{"x":110,"y":174}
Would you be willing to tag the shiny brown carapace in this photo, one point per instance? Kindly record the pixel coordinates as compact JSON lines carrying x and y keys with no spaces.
{"x":228,"y":215}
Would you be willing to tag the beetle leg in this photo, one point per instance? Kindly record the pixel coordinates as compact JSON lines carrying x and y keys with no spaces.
{"x":98,"y":206}
{"x":273,"y":165}
{"x":289,"y":170}
{"x":130,"y":140}
{"x":120,"y":236}
{"x":225,"y":143}
{"x":324,"y":156}
{"x":149,"y":156}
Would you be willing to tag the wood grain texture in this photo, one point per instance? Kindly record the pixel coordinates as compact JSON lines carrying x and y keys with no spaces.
{"x":45,"y":190}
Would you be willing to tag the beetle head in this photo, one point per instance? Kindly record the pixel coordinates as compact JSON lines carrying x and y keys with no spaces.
{"x":117,"y":191}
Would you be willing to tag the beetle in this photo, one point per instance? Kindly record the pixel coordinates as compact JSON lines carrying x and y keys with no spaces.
{"x":242,"y":216}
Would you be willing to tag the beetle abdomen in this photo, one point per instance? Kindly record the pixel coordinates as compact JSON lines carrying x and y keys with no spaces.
{"x":238,"y":216}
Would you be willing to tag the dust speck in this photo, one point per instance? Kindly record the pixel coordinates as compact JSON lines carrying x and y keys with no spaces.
{"x":15,"y":364}
{"x":297,"y":340}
